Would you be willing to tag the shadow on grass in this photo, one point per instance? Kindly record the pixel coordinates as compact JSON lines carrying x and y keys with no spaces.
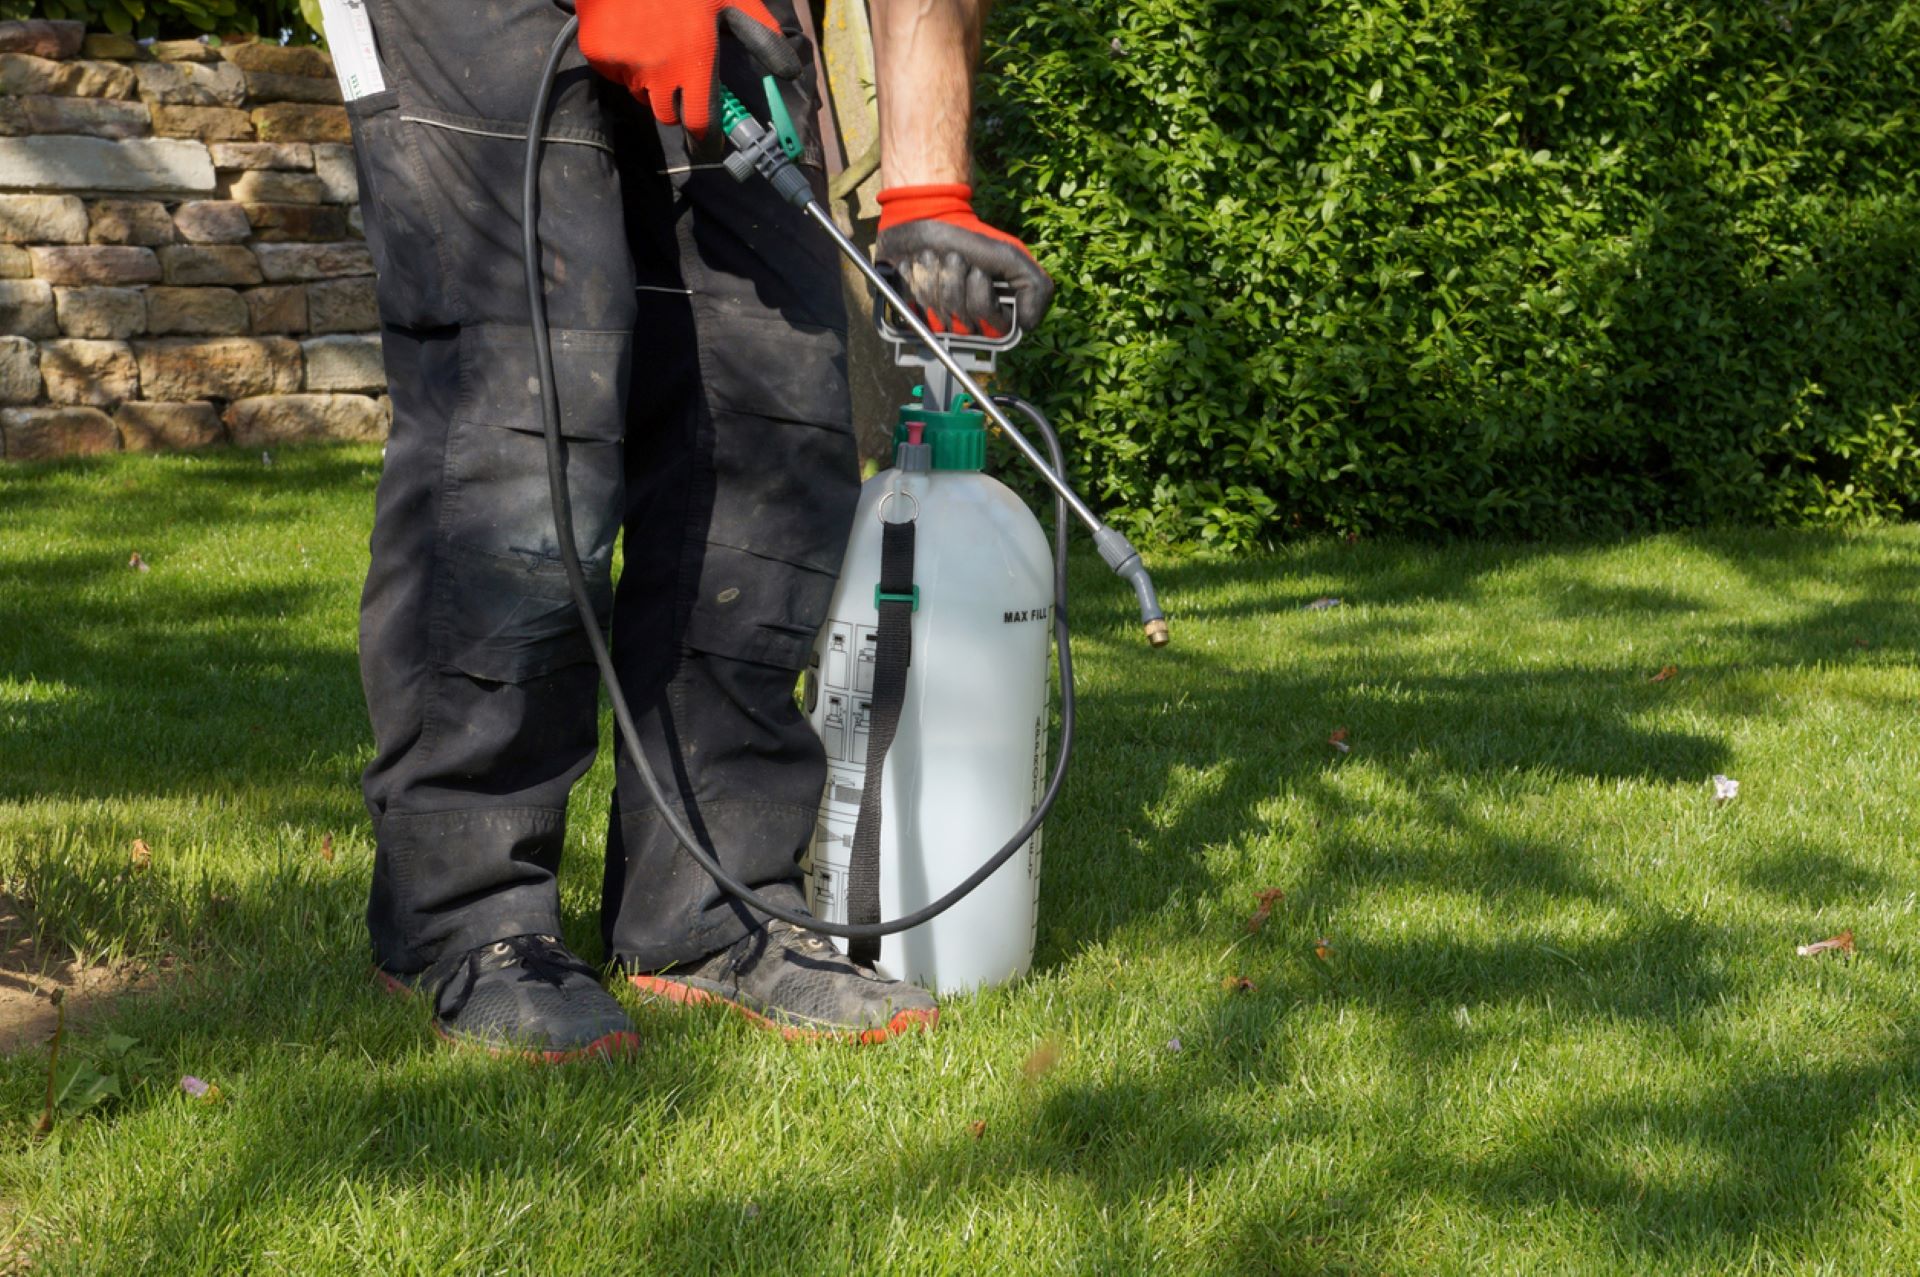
{"x":1771,"y":1132}
{"x":1201,"y":756}
{"x":1213,"y":742}
{"x":1772,"y":1141}
{"x":1817,"y":879}
{"x":1574,"y":598}
{"x":155,"y":684}
{"x":283,"y":984}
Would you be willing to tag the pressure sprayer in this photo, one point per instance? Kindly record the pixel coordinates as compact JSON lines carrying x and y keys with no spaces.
{"x":928,"y":685}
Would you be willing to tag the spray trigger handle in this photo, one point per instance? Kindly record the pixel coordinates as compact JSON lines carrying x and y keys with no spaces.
{"x":782,"y":122}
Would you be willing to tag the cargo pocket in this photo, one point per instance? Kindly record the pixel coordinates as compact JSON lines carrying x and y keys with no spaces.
{"x":502,"y":610}
{"x":786,"y":480}
{"x":412,"y":281}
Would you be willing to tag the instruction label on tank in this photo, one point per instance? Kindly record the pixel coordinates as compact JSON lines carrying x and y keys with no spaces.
{"x":847,"y":659}
{"x":832,"y":852}
{"x":846,"y":690}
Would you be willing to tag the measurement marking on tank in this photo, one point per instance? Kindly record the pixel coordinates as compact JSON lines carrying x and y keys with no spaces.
{"x":1039,"y":792}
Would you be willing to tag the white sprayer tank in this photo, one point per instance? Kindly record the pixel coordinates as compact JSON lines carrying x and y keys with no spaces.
{"x":969,"y":761}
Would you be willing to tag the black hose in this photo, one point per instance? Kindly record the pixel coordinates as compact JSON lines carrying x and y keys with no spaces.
{"x":583,"y":602}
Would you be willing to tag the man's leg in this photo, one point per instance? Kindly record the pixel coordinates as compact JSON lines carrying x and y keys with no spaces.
{"x":474,"y":663}
{"x":742,"y":479}
{"x":743,"y":476}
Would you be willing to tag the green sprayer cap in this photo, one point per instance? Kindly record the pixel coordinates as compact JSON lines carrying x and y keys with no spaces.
{"x":958,"y":437}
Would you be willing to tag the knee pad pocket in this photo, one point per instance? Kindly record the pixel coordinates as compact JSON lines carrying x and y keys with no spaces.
{"x":786,"y":480}
{"x":502,"y":608}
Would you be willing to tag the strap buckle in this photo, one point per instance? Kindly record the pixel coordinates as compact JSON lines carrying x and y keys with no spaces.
{"x":881,"y":596}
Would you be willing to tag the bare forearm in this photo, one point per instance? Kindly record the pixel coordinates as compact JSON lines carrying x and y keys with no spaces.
{"x":924,"y":54}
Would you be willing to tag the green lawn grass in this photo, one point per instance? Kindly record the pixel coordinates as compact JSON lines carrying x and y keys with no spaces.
{"x":1559,"y":1024}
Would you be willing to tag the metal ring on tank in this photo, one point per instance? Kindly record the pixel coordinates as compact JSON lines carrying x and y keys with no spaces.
{"x":880,"y":511}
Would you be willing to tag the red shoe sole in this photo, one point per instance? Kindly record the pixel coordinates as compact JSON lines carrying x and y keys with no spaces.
{"x":612,"y":1046}
{"x":687,"y":995}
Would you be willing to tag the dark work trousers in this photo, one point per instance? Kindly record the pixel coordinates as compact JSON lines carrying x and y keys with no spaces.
{"x":699,"y":345}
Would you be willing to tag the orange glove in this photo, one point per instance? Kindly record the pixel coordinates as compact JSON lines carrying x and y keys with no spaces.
{"x":950,"y":260}
{"x":667,"y":51}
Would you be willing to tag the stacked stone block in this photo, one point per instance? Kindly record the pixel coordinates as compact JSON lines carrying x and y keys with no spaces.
{"x":180,"y":248}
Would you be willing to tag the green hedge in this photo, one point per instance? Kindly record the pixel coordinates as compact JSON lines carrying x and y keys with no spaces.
{"x":294,"y":20}
{"x":1368,"y":265}
{"x":1469,"y":267}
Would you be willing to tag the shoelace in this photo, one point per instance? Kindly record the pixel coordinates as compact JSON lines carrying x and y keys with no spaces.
{"x":811,"y":941}
{"x":814,"y":944}
{"x":541,"y":958}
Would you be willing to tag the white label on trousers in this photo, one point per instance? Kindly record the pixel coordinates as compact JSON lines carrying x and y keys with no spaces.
{"x":350,"y":40}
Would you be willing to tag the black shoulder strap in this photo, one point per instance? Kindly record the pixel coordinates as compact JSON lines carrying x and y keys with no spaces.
{"x":896,"y":600}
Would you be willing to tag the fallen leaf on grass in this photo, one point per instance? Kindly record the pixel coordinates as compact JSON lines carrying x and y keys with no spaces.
{"x":1338,"y":739}
{"x":1666,"y":672}
{"x":199,"y":1089}
{"x":326,"y":847}
{"x":1842,"y":943}
{"x":977,"y":1129}
{"x":1041,"y":1061}
{"x":142,"y":854}
{"x":1323,"y":948}
{"x":1725,"y":789}
{"x":1237,"y":984}
{"x":137,"y":563}
{"x":1860,"y":642}
{"x":1324,"y":603}
{"x":1266,"y":900}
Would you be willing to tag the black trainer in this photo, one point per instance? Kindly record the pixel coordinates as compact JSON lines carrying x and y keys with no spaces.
{"x":794,"y":981}
{"x":525,"y":996}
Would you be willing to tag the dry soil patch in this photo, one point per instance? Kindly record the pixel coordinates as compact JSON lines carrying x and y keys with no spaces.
{"x":29,"y":973}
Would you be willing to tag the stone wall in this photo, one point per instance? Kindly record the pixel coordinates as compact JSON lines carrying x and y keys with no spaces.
{"x":180,"y":253}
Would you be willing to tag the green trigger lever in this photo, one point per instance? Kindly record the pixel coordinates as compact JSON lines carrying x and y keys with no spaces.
{"x":782,"y":122}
